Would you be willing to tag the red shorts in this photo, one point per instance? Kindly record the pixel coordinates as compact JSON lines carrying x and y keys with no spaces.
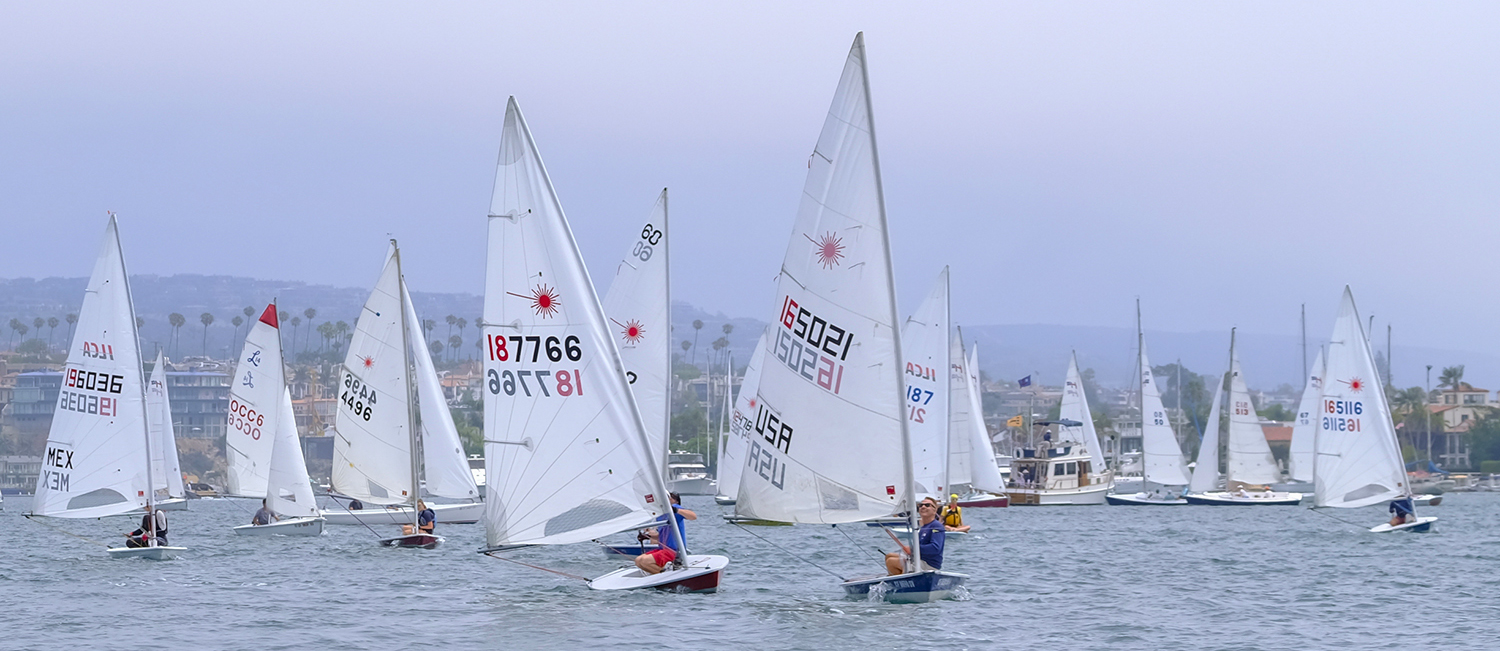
{"x":663,"y":556}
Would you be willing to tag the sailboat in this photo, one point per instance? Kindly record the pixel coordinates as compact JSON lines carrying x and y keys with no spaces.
{"x":377,"y":452}
{"x":260,"y":409}
{"x":1069,"y":470}
{"x":925,"y":337}
{"x":1250,"y":468}
{"x":832,"y":443}
{"x":98,"y":460}
{"x":986,"y":486}
{"x":166,"y":471}
{"x":1358,"y":456}
{"x":1304,"y":430}
{"x":1206,"y":467}
{"x":1161,"y":456}
{"x":568,"y":457}
{"x":747,"y":422}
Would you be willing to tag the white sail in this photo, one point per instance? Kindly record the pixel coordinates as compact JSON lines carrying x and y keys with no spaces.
{"x":1159,"y":448}
{"x":637,"y":305}
{"x":1249,"y":456}
{"x":1206,"y":470}
{"x":1300,"y":466}
{"x":926,"y":341}
{"x":96,"y":450}
{"x":166,"y":472}
{"x":445,"y":467}
{"x":254,"y":400}
{"x":732,"y":459}
{"x":566,"y":457}
{"x":1075,"y":406}
{"x":288,"y":490}
{"x":986,"y":474}
{"x":372,"y":447}
{"x":1359,"y":459}
{"x":961,"y":424}
{"x":831,"y":442}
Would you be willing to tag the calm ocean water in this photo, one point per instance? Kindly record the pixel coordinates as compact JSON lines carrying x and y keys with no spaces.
{"x":1042,"y":578}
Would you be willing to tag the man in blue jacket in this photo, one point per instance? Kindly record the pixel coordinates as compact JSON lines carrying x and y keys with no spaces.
{"x":929,"y":541}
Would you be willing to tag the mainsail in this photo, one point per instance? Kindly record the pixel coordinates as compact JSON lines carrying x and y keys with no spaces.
{"x":741,"y":424}
{"x":830,"y":442}
{"x":1359,"y":460}
{"x":925,"y":337}
{"x":638,"y":307}
{"x":1206,"y":472}
{"x":1075,"y":407}
{"x":986,"y":475}
{"x":1304,"y":431}
{"x":566,"y":456}
{"x":372,"y":449}
{"x":962,"y":422}
{"x":1249,"y":456}
{"x":1159,"y":448}
{"x":96,"y":461}
{"x":254,"y":400}
{"x":166,"y":472}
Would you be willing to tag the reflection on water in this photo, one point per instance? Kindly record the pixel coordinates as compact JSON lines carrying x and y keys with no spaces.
{"x":1067,"y":577}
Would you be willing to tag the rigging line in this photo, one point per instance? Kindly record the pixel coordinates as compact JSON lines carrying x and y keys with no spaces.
{"x":1352,"y":524}
{"x":538,"y":567}
{"x":851,"y":540}
{"x":788,"y":552}
{"x":64,"y":531}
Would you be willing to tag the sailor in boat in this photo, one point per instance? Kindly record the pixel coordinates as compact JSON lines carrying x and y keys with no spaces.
{"x":426,"y":518}
{"x":654,"y":562}
{"x":1402,"y":512}
{"x":142,"y":537}
{"x":356,"y":505}
{"x":929,"y":540}
{"x":953,"y":516}
{"x":264,"y":515}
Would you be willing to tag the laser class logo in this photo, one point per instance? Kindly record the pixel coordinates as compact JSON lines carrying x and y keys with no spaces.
{"x":829,"y":249}
{"x":544,"y":300}
{"x":1356,"y":385}
{"x":632,"y":331}
{"x":368,"y":362}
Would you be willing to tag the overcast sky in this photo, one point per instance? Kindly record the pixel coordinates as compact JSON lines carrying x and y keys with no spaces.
{"x":1226,"y":162}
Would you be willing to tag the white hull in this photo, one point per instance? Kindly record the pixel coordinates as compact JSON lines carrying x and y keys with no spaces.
{"x":446,"y":514}
{"x":1270,"y":498}
{"x":699,"y":574}
{"x":151,"y":553}
{"x":1086,"y":496}
{"x":304,"y":526}
{"x":1421,"y":525}
{"x":1427,"y":500}
{"x":174,"y":504}
{"x":724,"y":501}
{"x":694,"y":486}
{"x":1144,"y":499}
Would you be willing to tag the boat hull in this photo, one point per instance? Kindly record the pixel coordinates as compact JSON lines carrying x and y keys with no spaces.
{"x":735,"y":519}
{"x":161,"y":553}
{"x":724,"y":501}
{"x":985,"y":501}
{"x":1086,"y":496}
{"x":303,"y":526}
{"x":1427,"y":500}
{"x":700,"y":574}
{"x":174,"y":504}
{"x":693,"y":486}
{"x":1229,"y":499}
{"x":1421,"y":525}
{"x":415,"y":541}
{"x":446,"y":514}
{"x":1143,"y":499}
{"x":910,"y":588}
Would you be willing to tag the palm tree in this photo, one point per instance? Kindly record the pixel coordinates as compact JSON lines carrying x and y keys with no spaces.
{"x":697,"y":325}
{"x":177,"y":321}
{"x":454,"y":342}
{"x":428,"y":325}
{"x":326,"y":330}
{"x":1452,"y":377}
{"x":15,"y":326}
{"x":51,"y":327}
{"x":310,"y":313}
{"x":237,"y":321}
{"x":71,"y":319}
{"x":451,"y":321}
{"x":23,"y":329}
{"x":296,"y":321}
{"x":462,"y":323}
{"x":39,"y":322}
{"x":437,"y":349}
{"x":207,"y":320}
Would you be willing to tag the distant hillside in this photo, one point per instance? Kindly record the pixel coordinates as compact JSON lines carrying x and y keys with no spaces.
{"x":1007,"y":352}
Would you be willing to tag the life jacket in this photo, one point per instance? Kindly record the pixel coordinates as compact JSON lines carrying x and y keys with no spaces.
{"x":953,"y":516}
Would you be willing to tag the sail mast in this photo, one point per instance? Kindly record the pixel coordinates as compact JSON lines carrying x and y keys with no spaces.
{"x":948,"y":394}
{"x":1140,"y":389}
{"x":411,"y":414}
{"x":1228,"y":466}
{"x":135,"y":337}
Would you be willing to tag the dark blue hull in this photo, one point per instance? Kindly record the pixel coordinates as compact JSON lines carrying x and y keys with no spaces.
{"x":914,"y":588}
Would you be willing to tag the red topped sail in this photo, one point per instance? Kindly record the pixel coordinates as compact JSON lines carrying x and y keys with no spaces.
{"x":269,"y":316}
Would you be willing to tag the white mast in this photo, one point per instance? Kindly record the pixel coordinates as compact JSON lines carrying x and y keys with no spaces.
{"x":411,"y":414}
{"x":135,"y":335}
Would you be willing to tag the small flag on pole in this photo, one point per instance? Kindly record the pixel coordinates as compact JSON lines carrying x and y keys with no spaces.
{"x":1024,"y":382}
{"x":1015,"y":422}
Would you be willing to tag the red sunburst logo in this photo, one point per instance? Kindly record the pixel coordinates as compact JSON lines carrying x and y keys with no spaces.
{"x":1356,"y":385}
{"x":543,"y":299}
{"x":631,"y":330}
{"x":829,"y":249}
{"x":369,"y":362}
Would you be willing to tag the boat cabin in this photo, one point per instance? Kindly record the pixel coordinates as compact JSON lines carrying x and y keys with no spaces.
{"x":1051,"y":468}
